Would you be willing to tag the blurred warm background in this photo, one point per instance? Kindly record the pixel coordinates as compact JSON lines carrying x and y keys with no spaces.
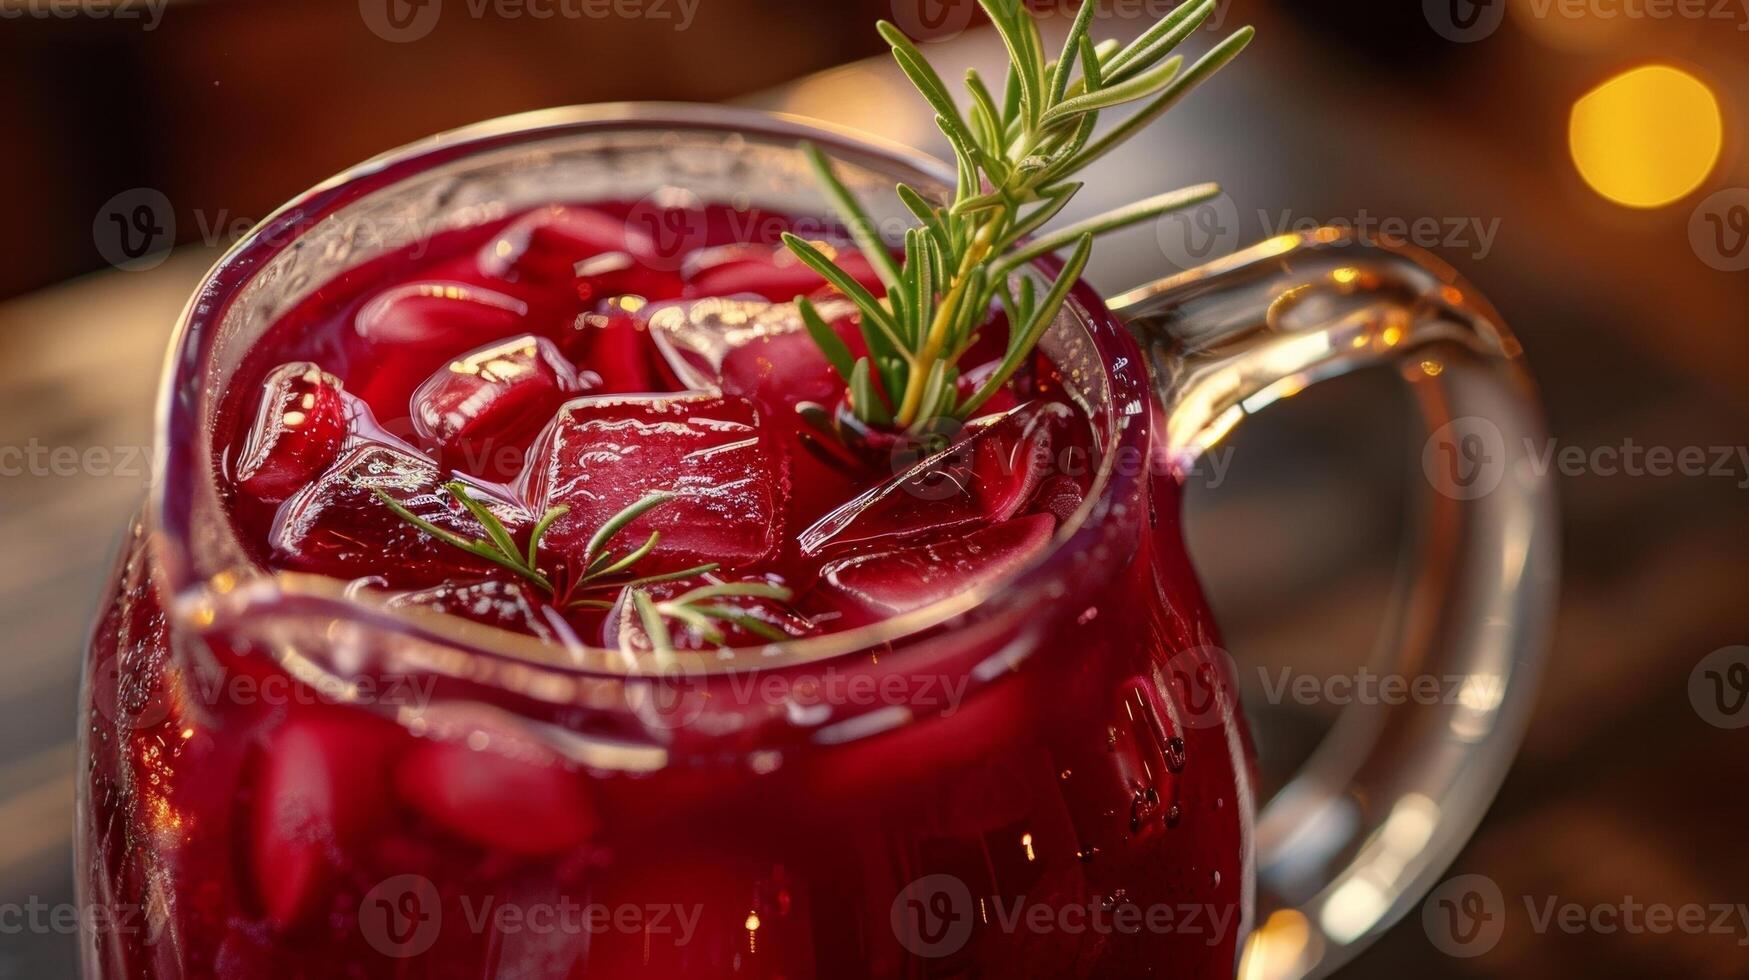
{"x":1582,"y":163}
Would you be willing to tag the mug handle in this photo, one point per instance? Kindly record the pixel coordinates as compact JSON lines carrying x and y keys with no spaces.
{"x":1394,"y":791}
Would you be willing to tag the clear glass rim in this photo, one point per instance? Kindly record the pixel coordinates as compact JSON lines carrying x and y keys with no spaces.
{"x":193,"y":598}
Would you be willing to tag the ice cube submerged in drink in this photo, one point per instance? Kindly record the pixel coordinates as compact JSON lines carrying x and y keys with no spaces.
{"x":554,"y":427}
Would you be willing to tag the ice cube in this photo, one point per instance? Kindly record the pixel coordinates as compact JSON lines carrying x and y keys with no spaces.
{"x":886,"y":583}
{"x":982,"y":478}
{"x":614,"y":345}
{"x":338,"y":526}
{"x":315,"y":795}
{"x":544,"y":246}
{"x":413,"y":328}
{"x":611,"y":274}
{"x":771,"y":271}
{"x":299,"y":428}
{"x":624,"y":627}
{"x":752,"y":348}
{"x":603,"y":453}
{"x":510,"y":796}
{"x":480,"y":411}
{"x":514,"y":606}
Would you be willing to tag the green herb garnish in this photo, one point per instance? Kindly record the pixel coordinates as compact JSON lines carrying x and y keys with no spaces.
{"x":603,"y":569}
{"x":1015,"y":158}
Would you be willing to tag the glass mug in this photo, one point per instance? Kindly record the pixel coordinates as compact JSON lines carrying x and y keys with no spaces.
{"x":1050,"y":778}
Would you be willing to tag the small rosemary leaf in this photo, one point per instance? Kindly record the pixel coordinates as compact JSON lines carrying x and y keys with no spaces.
{"x":1053,"y":301}
{"x":447,"y":537}
{"x":984,"y":127}
{"x":1195,"y":12}
{"x":918,"y":206}
{"x":1211,"y":62}
{"x":489,"y":521}
{"x":481,"y":549}
{"x":1139,"y":87}
{"x":973,"y":205}
{"x":540,"y":530}
{"x":981,"y":97}
{"x":830,"y":344}
{"x":1011,"y":99}
{"x":871,"y":308}
{"x":1034,"y":329}
{"x":630,"y":558}
{"x":752,"y":624}
{"x":1035,"y":61}
{"x":923,"y":300}
{"x":895,"y":300}
{"x":693,"y":618}
{"x":1112,"y":220}
{"x":917,"y":68}
{"x":863,"y":399}
{"x":654,"y":627}
{"x":718,"y":590}
{"x":1092,"y":72}
{"x":618,"y":522}
{"x":589,"y":604}
{"x":1155,"y":55}
{"x":674,"y":576}
{"x":1019,"y":52}
{"x":862,"y":227}
{"x":1071,"y":50}
{"x":892,"y":372}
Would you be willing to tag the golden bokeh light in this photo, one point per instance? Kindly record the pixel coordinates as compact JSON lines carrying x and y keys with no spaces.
{"x":1646,"y":137}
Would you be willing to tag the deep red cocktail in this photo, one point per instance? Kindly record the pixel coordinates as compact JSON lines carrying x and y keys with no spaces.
{"x":945,"y":742}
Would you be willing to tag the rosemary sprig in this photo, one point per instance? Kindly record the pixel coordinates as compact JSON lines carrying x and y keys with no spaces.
{"x":602,"y":569}
{"x":499,"y":547}
{"x":1014,"y":158}
{"x":697,"y":609}
{"x":700,"y":608}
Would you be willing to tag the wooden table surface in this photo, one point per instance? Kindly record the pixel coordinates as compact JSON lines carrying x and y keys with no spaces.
{"x":1621,"y":791}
